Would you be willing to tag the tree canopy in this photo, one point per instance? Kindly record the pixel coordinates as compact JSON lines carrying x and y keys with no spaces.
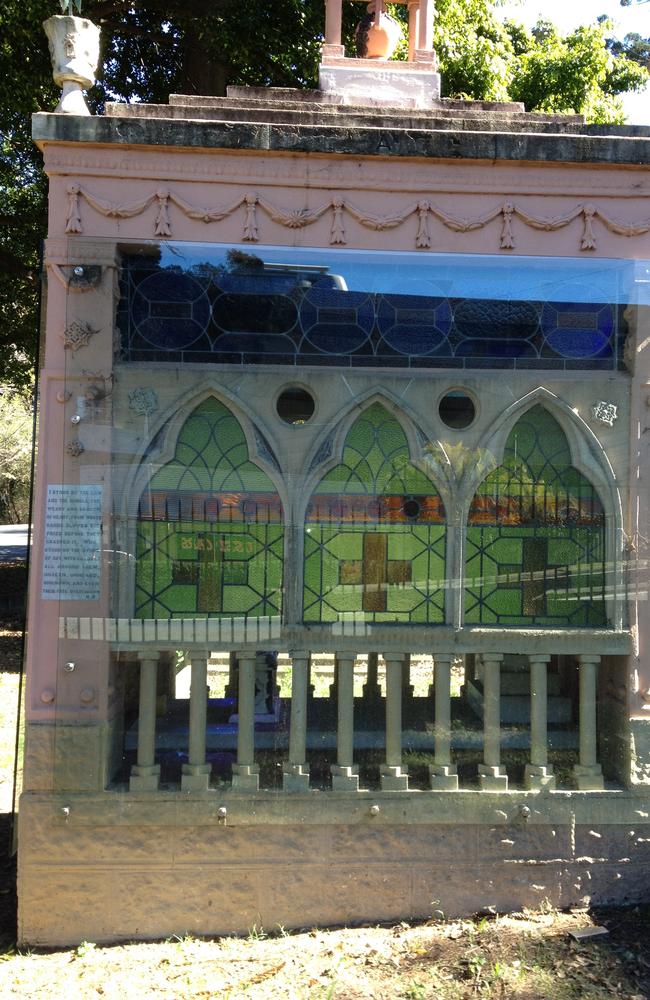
{"x":158,"y":47}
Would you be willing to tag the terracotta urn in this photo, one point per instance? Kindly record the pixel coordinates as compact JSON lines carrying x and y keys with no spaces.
{"x":377,"y":40}
{"x":74,"y":50}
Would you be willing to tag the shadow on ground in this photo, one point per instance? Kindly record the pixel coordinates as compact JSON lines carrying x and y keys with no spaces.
{"x":7,"y":884}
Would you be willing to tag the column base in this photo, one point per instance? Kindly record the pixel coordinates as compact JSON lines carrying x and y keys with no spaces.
{"x":393,"y":779}
{"x":372,"y":692}
{"x":295,"y":778}
{"x":492,"y":779}
{"x":344,"y":779}
{"x":245,"y":777}
{"x":144,"y":779}
{"x":589,"y":778}
{"x":443,"y":777}
{"x":195,"y":777}
{"x":539,"y":776}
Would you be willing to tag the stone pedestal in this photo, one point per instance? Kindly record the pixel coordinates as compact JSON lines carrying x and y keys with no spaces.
{"x":379,"y":83}
{"x":394,"y":778}
{"x":588,"y":778}
{"x":443,"y":777}
{"x":144,"y":779}
{"x":344,"y":778}
{"x":538,"y":777}
{"x":195,"y":777}
{"x":295,"y":778}
{"x":492,"y":778}
{"x":245,"y":777}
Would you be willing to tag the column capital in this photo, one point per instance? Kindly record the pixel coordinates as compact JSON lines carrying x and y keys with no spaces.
{"x":299,"y":654}
{"x":246,"y":657}
{"x":443,"y":658}
{"x":345,"y":658}
{"x":589,"y":658}
{"x":492,"y":657}
{"x":199,"y":654}
{"x":539,"y":658}
{"x":148,"y":656}
{"x":394,"y":657}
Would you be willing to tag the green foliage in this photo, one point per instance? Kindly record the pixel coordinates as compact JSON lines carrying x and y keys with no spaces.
{"x":576,"y":74}
{"x":15,"y":456}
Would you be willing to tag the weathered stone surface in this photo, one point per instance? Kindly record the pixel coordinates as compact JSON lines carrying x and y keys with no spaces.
{"x":585,"y":148}
{"x":114,"y":881}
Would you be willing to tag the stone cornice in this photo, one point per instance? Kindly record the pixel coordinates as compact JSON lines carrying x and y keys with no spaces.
{"x":348,"y":141}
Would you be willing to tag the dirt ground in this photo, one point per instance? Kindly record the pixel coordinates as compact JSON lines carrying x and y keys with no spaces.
{"x":527,"y":955}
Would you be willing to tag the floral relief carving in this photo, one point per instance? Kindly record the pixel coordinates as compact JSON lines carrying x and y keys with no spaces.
{"x":300,"y":218}
{"x":77,"y":335}
{"x":75,"y":448}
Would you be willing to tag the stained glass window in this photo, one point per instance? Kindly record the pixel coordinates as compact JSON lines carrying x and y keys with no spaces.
{"x":210,"y":527}
{"x":536,"y":536}
{"x":375,"y":533}
{"x":327,"y":308}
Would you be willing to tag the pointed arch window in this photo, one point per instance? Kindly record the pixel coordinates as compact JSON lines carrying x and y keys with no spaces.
{"x":536,"y":536}
{"x":210,"y":528}
{"x":375,"y":533}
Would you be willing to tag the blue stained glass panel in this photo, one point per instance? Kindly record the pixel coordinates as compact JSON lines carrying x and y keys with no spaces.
{"x":170,"y":310}
{"x":578,"y":329}
{"x":354,"y":309}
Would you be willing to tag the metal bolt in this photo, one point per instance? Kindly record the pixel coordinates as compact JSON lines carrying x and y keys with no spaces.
{"x":524,"y":812}
{"x":65,"y":812}
{"x":69,"y":667}
{"x":222,"y":812}
{"x":78,"y":271}
{"x":374,"y":810}
{"x":76,"y":419}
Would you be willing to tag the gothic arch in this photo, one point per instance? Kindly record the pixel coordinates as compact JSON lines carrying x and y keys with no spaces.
{"x":536,"y":542}
{"x":375,"y":529}
{"x":427,"y":455}
{"x":210,"y":525}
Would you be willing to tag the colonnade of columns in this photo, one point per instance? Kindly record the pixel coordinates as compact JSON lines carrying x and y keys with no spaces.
{"x":145,"y":773}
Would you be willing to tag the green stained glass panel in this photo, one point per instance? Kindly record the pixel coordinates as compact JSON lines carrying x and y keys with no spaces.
{"x":210,"y":534}
{"x":375,"y":534}
{"x":535,"y":552}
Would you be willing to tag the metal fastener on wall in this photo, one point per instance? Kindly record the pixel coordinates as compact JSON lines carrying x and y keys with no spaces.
{"x":69,"y":666}
{"x":222,"y":814}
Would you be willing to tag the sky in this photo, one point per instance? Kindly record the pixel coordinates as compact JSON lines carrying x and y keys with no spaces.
{"x":568,"y":14}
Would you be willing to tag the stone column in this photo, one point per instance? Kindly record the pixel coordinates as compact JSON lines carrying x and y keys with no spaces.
{"x":393,"y":777}
{"x":196,"y":773}
{"x":296,"y":771}
{"x":538,"y":774}
{"x":245,"y":773}
{"x":333,"y":18}
{"x":588,"y":773}
{"x":345,"y":774}
{"x":372,"y":689}
{"x":407,"y":687}
{"x":442,"y":773}
{"x":492,"y":777}
{"x":425,"y":33}
{"x":414,"y":27}
{"x":145,"y":775}
{"x":231,"y":686}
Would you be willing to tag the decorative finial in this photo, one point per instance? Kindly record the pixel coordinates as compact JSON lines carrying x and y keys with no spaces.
{"x":74,"y":50}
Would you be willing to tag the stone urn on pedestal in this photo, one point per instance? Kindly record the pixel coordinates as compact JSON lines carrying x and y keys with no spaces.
{"x":74,"y":50}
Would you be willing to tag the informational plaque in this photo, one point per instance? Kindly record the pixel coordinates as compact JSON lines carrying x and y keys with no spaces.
{"x":72,"y":551}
